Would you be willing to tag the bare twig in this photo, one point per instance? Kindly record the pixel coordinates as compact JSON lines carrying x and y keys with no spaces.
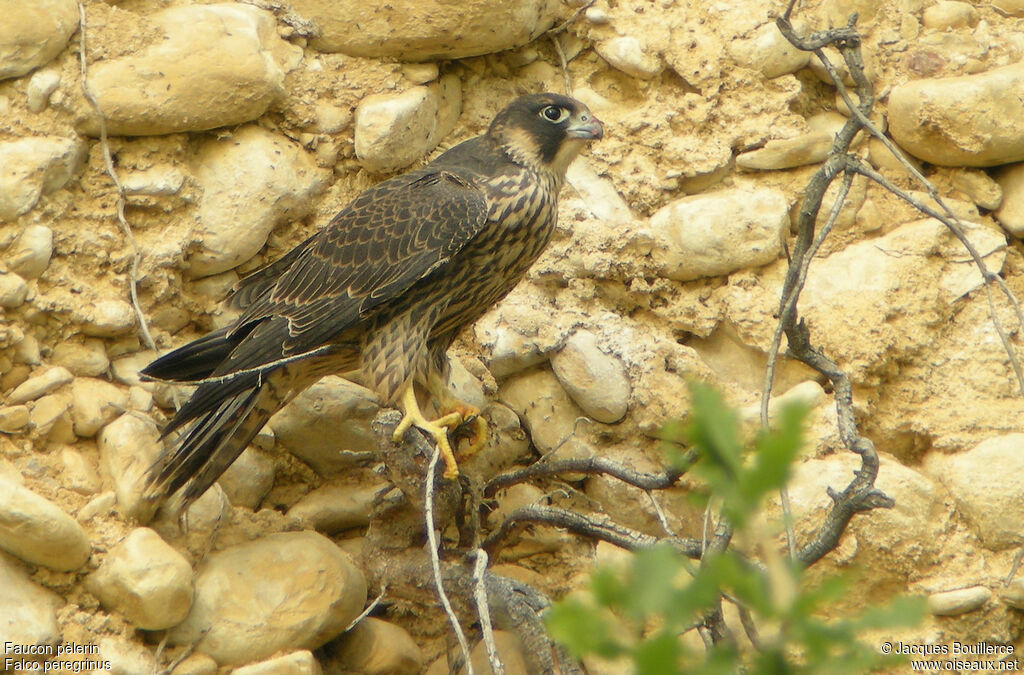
{"x":366,"y":612}
{"x":484,"y":612}
{"x":133,"y":274}
{"x":591,"y":465}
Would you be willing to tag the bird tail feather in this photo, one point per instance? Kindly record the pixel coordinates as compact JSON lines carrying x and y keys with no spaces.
{"x":194,"y":361}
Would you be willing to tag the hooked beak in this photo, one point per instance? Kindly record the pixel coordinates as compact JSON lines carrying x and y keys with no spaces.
{"x":588,"y":130}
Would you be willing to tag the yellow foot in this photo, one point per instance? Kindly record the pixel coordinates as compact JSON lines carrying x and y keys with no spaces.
{"x":470,"y":426}
{"x":438,"y":429}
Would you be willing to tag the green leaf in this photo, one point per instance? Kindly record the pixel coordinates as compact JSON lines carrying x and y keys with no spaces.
{"x":582,"y":629}
{"x":659,"y":654}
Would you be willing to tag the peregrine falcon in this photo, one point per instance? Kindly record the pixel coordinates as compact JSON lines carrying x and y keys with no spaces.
{"x":378,"y":295}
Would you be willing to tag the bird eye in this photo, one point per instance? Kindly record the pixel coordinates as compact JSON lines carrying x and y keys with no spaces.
{"x":554,"y":113}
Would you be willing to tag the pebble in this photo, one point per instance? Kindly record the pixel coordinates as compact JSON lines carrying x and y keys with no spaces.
{"x":599,"y":195}
{"x":375,"y":647}
{"x":196,"y":664}
{"x":596,"y":381}
{"x":293,"y":590}
{"x":544,"y":406}
{"x":507,"y":444}
{"x":84,"y":359}
{"x":30,"y":254}
{"x":101,"y":504}
{"x":128,"y":447}
{"x":125,"y":658}
{"x":40,"y":86}
{"x":145,"y":580}
{"x":979,"y":186}
{"x":13,"y":290}
{"x":768,"y":52}
{"x":947,"y":14}
{"x":511,"y":352}
{"x":297,"y":663}
{"x":95,"y":403}
{"x":28,"y":351}
{"x":156,"y":182}
{"x":960,"y":601}
{"x":332,"y":403}
{"x":33,"y":33}
{"x":938,"y":119}
{"x":50,"y":418}
{"x":44,"y":383}
{"x":420,"y":73}
{"x":78,"y":474}
{"x":631,"y":56}
{"x":33,"y":167}
{"x":1013,"y":593}
{"x":1010,"y":213}
{"x":217,"y":65}
{"x":394,"y":130}
{"x":1011,"y":7}
{"x":249,"y":478}
{"x":13,"y":418}
{"x":330,"y":119}
{"x":251,"y":181}
{"x":995,"y":514}
{"x":809,"y":148}
{"x":126,"y":369}
{"x":713,"y":234}
{"x":37,"y":531}
{"x":29,"y":611}
{"x":332,"y":508}
{"x":421,"y":30}
{"x":108,"y":318}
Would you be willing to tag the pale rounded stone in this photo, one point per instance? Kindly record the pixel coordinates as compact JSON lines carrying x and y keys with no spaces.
{"x":40,"y":86}
{"x":108,"y":318}
{"x":28,"y":351}
{"x":767,"y":51}
{"x":101,"y":504}
{"x":1013,"y":594}
{"x":37,"y":531}
{"x":631,"y":56}
{"x":809,"y":148}
{"x":79,"y":474}
{"x":394,"y":130}
{"x":297,"y":663}
{"x":128,"y":447}
{"x":30,"y":254}
{"x":33,"y":33}
{"x":421,"y":30}
{"x":970,"y":120}
{"x":376,"y":647}
{"x":34,"y":167}
{"x":41,"y":384}
{"x":720,"y":232}
{"x":599,"y":194}
{"x":13,"y":290}
{"x":511,"y":352}
{"x":507,"y":444}
{"x":330,"y":119}
{"x":13,"y":418}
{"x":158,"y":181}
{"x":332,"y":508}
{"x":1011,"y":7}
{"x":465,"y":386}
{"x":249,"y":478}
{"x":995,"y":514}
{"x":251,"y":182}
{"x":217,"y":65}
{"x":196,"y":664}
{"x":126,"y":369}
{"x":28,"y":612}
{"x":144,"y":580}
{"x":1010,"y":213}
{"x":50,"y":418}
{"x":294,"y":590}
{"x":332,"y":403}
{"x":596,"y":381}
{"x":94,"y":404}
{"x":84,"y":359}
{"x":545,"y":408}
{"x":979,"y":186}
{"x":511,"y":651}
{"x":126,"y":658}
{"x":420,"y":73}
{"x":960,"y":601}
{"x":949,"y":14}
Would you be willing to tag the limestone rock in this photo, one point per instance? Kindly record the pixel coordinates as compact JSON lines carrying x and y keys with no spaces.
{"x":41,"y":384}
{"x":50,"y":418}
{"x":216,"y":65}
{"x":1011,"y":7}
{"x":126,"y":658}
{"x":158,"y":181}
{"x":995,"y":514}
{"x":1010,"y":213}
{"x":128,"y":447}
{"x":28,"y":612}
{"x":108,"y":318}
{"x":249,"y":478}
{"x":720,"y":232}
{"x":511,"y":651}
{"x":33,"y":33}
{"x":979,"y":186}
{"x":809,"y":148}
{"x":507,"y":444}
{"x":545,"y":408}
{"x":970,"y":120}
{"x":375,"y":647}
{"x":394,"y":130}
{"x":94,"y":404}
{"x":297,"y":663}
{"x":30,"y":254}
{"x":79,"y":474}
{"x":84,"y":359}
{"x":960,"y":601}
{"x":596,"y":381}
{"x":251,"y":182}
{"x":332,"y":403}
{"x":13,"y":418}
{"x":949,"y":14}
{"x":332,"y":508}
{"x":423,"y":30}
{"x":293,"y":590}
{"x":631,"y":56}
{"x":13,"y":290}
{"x":36,"y":530}
{"x":40,"y":86}
{"x":767,"y":51}
{"x":33,"y":167}
{"x":1013,"y":593}
{"x":145,"y":580}
{"x":196,"y":664}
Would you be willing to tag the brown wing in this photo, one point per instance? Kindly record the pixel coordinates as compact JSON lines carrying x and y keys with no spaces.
{"x":386,"y":240}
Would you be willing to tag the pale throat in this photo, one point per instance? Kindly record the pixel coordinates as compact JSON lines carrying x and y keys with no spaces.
{"x":521,"y":147}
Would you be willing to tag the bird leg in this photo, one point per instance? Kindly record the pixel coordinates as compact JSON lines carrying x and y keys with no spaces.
{"x":438,"y":429}
{"x":447,"y":404}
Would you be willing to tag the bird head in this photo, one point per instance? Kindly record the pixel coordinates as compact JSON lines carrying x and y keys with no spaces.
{"x":545,"y":131}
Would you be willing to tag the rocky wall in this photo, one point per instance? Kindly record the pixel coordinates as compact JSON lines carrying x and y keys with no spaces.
{"x":236,"y":129}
